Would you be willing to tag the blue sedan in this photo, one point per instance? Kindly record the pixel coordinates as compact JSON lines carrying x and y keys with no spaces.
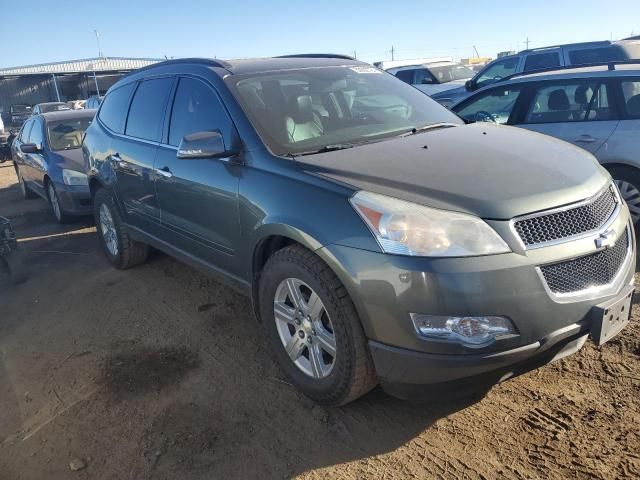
{"x":47,"y":155}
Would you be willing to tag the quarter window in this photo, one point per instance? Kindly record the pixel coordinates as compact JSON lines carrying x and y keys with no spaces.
{"x":147,"y":109}
{"x":196,"y":108}
{"x":495,"y":105}
{"x":631,"y":94}
{"x":114,"y":108}
{"x":569,"y":102}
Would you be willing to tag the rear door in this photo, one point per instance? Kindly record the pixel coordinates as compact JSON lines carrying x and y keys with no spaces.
{"x":198,"y":198}
{"x":580,"y":111}
{"x":134,"y":153}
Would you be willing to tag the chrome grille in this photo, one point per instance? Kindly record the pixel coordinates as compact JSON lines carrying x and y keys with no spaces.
{"x":568,"y":222}
{"x":594,"y":270}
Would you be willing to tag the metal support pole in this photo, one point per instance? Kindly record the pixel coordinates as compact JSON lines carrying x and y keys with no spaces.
{"x":55,"y":84}
{"x":96,"y":82}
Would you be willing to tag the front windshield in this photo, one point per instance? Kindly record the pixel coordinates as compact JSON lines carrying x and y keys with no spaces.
{"x":56,"y":107}
{"x":449,"y":73}
{"x":21,"y":109}
{"x":67,"y":134}
{"x":305,"y":110}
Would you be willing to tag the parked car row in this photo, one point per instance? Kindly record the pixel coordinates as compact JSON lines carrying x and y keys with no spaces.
{"x":380,"y":238}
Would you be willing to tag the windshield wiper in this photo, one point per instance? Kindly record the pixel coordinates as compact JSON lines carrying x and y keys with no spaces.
{"x":425,"y":128}
{"x":326,"y":148}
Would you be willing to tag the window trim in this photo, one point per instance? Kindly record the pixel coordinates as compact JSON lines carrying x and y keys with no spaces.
{"x":538,"y":85}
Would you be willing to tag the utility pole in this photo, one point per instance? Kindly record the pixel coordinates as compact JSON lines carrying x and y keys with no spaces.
{"x":393,"y":51}
{"x":98,"y":40}
{"x":476,"y":50}
{"x":526,"y":42}
{"x":355,"y":54}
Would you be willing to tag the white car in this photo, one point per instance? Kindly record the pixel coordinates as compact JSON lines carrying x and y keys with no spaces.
{"x":431,"y":75}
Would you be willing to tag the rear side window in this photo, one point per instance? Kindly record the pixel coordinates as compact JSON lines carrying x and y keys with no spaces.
{"x":114,"y":108}
{"x":570,"y":102}
{"x":147,"y":109}
{"x":196,"y":108}
{"x":595,"y":55}
{"x":494,"y":105}
{"x":631,"y":94}
{"x":540,"y":61}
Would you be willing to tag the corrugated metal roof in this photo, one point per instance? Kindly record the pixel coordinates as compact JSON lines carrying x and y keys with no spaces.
{"x":84,"y":65}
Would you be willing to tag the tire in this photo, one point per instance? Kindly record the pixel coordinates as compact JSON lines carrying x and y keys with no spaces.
{"x":121,"y":250}
{"x":54,"y":203}
{"x":628,"y":181}
{"x":331,"y":380}
{"x":27,"y":193}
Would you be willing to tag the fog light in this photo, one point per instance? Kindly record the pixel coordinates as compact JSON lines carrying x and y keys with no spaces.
{"x":472,"y":332}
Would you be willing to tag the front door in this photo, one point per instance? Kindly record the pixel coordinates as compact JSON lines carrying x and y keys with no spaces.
{"x":198,"y":198}
{"x":133,"y":154}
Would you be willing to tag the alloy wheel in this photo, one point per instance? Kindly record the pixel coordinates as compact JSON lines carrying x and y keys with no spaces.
{"x":108,"y":230}
{"x":305,"y":328}
{"x":631,"y":195}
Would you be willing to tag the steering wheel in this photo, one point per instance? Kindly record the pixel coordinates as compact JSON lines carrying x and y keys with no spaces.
{"x":483,"y":116}
{"x":365,"y":115}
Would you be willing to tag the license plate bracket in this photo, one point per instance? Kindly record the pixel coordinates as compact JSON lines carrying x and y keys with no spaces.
{"x":610,"y":317}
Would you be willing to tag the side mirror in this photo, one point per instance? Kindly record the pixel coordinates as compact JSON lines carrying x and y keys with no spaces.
{"x":29,"y":148}
{"x":207,"y":144}
{"x":470,"y":85}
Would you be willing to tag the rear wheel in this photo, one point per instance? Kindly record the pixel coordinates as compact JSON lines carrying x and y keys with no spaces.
{"x":314,"y":328}
{"x":627,"y":180}
{"x":121,"y":250}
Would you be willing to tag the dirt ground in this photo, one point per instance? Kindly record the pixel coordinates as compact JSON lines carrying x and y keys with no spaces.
{"x":161,"y":373}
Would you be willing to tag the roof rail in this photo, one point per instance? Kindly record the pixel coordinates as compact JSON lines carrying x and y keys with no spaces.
{"x":317,"y":55}
{"x":205,"y":61}
{"x":609,"y":65}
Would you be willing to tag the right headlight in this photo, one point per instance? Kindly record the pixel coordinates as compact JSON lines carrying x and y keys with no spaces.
{"x":406,"y":228}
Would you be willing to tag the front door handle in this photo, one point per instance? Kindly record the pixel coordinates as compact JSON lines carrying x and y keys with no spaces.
{"x":164,"y":172}
{"x":585,"y":139}
{"x":122,"y":164}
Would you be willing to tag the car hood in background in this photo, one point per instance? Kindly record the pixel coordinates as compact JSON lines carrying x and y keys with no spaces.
{"x":492,"y":171}
{"x":70,"y":159}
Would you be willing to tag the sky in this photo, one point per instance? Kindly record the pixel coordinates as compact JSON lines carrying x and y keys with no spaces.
{"x":241,"y":29}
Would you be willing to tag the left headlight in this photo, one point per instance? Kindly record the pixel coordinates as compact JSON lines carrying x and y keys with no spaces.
{"x":405,"y":228}
{"x":71,"y":177}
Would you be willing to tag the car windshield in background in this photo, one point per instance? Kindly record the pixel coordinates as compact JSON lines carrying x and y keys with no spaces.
{"x":54,"y":108}
{"x":21,"y":109}
{"x":308,"y":110}
{"x":67,"y":134}
{"x":449,"y":73}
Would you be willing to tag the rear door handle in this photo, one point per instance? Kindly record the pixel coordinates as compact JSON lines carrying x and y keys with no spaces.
{"x":164,"y":172}
{"x":586,"y":139}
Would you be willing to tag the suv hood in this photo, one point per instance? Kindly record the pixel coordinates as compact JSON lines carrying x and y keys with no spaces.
{"x":491,"y":171}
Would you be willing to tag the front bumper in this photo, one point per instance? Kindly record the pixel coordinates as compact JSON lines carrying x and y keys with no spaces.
{"x":386,"y":288}
{"x":74,"y":200}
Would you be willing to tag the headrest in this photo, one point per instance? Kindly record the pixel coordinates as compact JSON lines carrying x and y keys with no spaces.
{"x":583,"y":94}
{"x":301,"y":108}
{"x":558,"y":100}
{"x":633,"y":105}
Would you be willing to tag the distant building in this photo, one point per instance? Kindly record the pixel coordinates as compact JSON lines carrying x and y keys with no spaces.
{"x":475,"y":61}
{"x":64,"y":81}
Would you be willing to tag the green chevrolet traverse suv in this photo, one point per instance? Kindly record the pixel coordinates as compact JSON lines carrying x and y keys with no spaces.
{"x":380,"y":239}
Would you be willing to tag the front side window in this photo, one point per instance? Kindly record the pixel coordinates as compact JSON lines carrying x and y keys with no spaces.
{"x":147,"y":109}
{"x":497,"y":71}
{"x":196,"y":108}
{"x":305,"y":110}
{"x":569,"y":102}
{"x":494,"y":105}
{"x":423,"y":77}
{"x":26,"y":131}
{"x":631,"y":96}
{"x":406,"y":75}
{"x":67,"y":134}
{"x":540,"y":61}
{"x":114,"y":109}
{"x":36,"y":135}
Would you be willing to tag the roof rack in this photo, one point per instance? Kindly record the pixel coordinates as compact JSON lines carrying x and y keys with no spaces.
{"x":609,"y":65}
{"x":317,"y":55}
{"x":584,"y":44}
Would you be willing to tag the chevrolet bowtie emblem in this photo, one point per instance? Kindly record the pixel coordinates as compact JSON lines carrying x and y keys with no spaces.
{"x":606,"y":239}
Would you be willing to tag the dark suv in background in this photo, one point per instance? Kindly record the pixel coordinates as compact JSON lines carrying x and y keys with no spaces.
{"x":379,"y":237}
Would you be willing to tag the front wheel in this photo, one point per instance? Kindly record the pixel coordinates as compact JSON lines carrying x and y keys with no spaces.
{"x":121,"y":250}
{"x":314,"y":328}
{"x":627,"y":179}
{"x":54,"y":202}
